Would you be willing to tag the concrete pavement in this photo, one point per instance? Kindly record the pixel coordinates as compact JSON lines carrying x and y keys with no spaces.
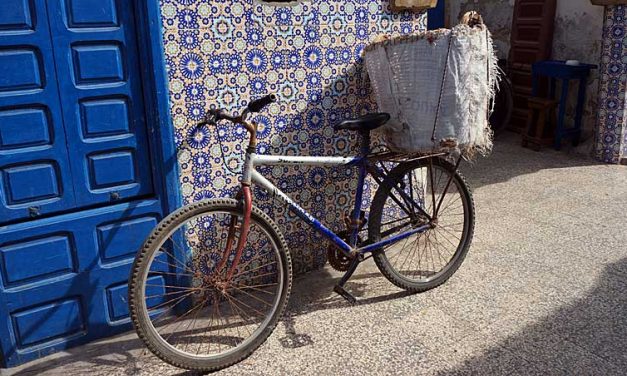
{"x":542,"y":291}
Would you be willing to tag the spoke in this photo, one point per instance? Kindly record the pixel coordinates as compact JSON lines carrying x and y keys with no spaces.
{"x":175,"y":274}
{"x":394,"y":221}
{"x":172,"y":265}
{"x":437,"y":248}
{"x":166,"y":294}
{"x":172,"y":256}
{"x":399,"y":251}
{"x":255,"y":297}
{"x":258,"y":276}
{"x":162,"y":315}
{"x":416,"y":251}
{"x":259,"y":255}
{"x":450,"y":224}
{"x":442,"y":210}
{"x":257,"y":289}
{"x":452,"y":250}
{"x":247,"y":306}
{"x":193,"y":325}
{"x":178,"y":287}
{"x":170,"y":301}
{"x":392,"y":230}
{"x":239,"y":335}
{"x":406,"y":257}
{"x":247,"y":317}
{"x":428,"y":250}
{"x":181,"y":317}
{"x":208,"y":326}
{"x":424,"y":248}
{"x":252,"y":270}
{"x":218,"y":315}
{"x":412,"y":252}
{"x":450,"y":233}
{"x":263,"y":285}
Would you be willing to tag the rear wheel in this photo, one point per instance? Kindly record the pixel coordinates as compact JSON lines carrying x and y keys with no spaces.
{"x":425,"y":260}
{"x":186,"y":306}
{"x":503,"y":106}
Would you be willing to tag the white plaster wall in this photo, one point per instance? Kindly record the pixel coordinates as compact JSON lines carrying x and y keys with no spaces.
{"x":496,"y":13}
{"x":578,"y":34}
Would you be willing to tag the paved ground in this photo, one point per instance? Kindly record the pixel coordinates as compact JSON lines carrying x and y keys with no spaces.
{"x":543,"y":291}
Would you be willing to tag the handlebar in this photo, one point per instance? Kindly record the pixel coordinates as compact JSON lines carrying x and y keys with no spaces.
{"x":259,"y":104}
{"x":215,"y":115}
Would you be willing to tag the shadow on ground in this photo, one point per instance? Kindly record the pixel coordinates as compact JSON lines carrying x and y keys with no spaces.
{"x":594,"y":324}
{"x":311,"y":292}
{"x":555,"y":343}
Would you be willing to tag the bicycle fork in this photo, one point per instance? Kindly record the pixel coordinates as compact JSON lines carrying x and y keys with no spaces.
{"x":247,"y":196}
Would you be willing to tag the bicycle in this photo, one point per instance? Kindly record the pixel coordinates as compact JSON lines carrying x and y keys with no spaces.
{"x":213,"y":278}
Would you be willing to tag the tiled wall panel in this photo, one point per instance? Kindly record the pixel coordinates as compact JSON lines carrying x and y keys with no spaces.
{"x":225,"y":52}
{"x":611,"y":143}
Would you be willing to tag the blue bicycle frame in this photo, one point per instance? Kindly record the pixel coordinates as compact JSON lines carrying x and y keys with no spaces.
{"x":364,"y":166}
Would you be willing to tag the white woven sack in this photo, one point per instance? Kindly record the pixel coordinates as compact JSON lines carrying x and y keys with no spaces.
{"x":438,"y":95}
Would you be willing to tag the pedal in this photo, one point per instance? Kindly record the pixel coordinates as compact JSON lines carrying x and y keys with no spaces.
{"x":344,"y":294}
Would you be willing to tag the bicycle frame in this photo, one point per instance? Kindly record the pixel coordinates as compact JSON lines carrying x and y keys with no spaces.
{"x":250,"y":174}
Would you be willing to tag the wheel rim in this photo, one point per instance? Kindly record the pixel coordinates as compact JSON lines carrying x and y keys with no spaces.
{"x":424,"y":257}
{"x":191,"y":308}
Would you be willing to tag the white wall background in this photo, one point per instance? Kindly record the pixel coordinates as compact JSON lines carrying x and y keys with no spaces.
{"x":578,"y":34}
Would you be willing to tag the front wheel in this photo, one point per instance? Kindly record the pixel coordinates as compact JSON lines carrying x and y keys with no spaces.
{"x":424,"y":260}
{"x":193,"y":301}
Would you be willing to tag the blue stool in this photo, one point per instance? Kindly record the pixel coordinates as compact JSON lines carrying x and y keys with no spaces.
{"x":555,"y":69}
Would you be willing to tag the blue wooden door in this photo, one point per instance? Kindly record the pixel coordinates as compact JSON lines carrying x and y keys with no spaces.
{"x":32,"y":137}
{"x":95,"y":48}
{"x":76,"y":192}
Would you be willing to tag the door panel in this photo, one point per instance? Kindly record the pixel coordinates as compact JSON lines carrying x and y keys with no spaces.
{"x":63,"y":280}
{"x":531,"y":41}
{"x":99,"y":77}
{"x":35,"y":176}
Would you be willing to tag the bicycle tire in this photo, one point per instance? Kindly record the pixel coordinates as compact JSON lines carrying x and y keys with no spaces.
{"x":503,"y":106}
{"x":140,"y":316}
{"x":375,"y":224}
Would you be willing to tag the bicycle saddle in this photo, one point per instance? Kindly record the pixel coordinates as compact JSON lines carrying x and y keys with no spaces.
{"x":364,"y":123}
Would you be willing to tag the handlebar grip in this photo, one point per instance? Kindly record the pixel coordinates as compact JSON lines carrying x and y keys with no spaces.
{"x":259,"y":104}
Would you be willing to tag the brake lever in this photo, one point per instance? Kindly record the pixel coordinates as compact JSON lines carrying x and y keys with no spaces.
{"x":210,"y":119}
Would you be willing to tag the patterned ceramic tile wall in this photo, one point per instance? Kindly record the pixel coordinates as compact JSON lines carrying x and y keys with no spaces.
{"x":225,"y":52}
{"x":612,"y":129}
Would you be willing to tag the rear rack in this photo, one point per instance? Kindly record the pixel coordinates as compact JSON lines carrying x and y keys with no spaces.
{"x":391,"y":156}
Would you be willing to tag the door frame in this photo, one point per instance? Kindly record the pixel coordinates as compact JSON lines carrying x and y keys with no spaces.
{"x":165,"y":169}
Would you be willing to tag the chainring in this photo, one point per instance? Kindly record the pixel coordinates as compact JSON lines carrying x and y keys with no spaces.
{"x":337,"y":259}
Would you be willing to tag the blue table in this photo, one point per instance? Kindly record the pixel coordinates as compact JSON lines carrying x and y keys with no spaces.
{"x":559,"y":70}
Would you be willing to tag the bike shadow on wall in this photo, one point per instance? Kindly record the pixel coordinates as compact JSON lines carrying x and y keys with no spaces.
{"x":326,"y":192}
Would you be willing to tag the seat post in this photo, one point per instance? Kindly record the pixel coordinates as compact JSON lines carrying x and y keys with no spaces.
{"x":365,"y":143}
